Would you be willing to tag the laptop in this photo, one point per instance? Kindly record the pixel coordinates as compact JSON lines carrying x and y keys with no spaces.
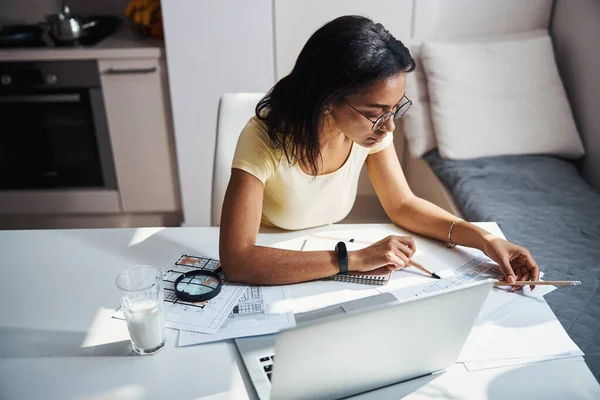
{"x":364,"y":344}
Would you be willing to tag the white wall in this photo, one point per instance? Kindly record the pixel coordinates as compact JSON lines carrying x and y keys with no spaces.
{"x":212,"y":48}
{"x":576,"y":36}
{"x":295,"y":22}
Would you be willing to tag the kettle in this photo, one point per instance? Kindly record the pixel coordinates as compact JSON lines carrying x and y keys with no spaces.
{"x":65,"y":28}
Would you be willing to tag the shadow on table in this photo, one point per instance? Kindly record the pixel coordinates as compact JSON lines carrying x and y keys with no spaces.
{"x":556,"y":379}
{"x":399,"y":390}
{"x":38,"y":343}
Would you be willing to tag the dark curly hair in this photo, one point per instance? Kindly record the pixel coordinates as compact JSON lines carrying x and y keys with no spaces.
{"x":341,"y":58}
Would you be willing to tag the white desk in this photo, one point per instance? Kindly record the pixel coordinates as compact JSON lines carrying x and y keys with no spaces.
{"x":57,"y":286}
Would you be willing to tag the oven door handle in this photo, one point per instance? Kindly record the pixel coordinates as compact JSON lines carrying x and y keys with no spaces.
{"x":129,"y":71}
{"x":41,"y":98}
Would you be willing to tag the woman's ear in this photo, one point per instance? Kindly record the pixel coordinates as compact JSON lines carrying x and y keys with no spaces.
{"x":327,"y":109}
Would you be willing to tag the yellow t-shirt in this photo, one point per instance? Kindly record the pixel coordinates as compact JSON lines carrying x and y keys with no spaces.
{"x":293,"y":199}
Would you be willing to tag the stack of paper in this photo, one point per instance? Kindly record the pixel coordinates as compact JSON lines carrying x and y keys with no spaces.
{"x":251,"y":316}
{"x":237,"y":311}
{"x":525,"y":332}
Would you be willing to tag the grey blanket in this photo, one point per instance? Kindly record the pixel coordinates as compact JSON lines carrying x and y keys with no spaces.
{"x":543,"y":204}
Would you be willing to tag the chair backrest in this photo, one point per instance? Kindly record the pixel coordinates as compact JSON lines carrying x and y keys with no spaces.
{"x":235,"y":109}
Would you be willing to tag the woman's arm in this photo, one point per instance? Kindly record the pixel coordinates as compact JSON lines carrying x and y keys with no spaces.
{"x":413,"y":213}
{"x":427,"y":219}
{"x":243,"y":261}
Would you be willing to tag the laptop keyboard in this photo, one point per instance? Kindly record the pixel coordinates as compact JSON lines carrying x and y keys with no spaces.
{"x":267,"y":365}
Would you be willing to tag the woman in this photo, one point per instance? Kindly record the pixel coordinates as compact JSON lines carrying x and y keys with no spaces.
{"x":297,"y":164}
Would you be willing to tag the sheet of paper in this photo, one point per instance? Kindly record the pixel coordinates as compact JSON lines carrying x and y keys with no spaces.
{"x":409,"y":283}
{"x":256,"y":313}
{"x":528,"y":329}
{"x":316,"y":295}
{"x":206,"y":316}
{"x":510,"y":362}
{"x":290,"y":244}
{"x":354,"y":239}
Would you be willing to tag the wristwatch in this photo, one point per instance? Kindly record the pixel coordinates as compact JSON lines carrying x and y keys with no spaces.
{"x":342,"y":257}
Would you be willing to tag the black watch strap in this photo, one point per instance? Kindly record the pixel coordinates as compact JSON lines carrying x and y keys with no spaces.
{"x":342,"y":257}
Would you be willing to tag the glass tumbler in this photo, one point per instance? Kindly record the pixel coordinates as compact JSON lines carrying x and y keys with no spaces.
{"x":142,"y":299}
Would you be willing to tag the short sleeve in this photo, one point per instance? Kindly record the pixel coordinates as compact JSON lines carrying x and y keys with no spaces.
{"x":253,"y":152}
{"x":383,"y":144}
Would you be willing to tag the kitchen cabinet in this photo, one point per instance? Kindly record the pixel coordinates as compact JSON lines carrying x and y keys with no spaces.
{"x":138,"y":114}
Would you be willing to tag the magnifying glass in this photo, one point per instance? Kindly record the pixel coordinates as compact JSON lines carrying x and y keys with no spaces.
{"x":197,"y":286}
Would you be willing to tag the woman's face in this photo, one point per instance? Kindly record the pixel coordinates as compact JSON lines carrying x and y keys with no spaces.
{"x":375,"y":101}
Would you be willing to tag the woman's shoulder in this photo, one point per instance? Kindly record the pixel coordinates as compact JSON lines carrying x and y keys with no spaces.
{"x":256,"y":131}
{"x":256,"y":127}
{"x":255,"y":146}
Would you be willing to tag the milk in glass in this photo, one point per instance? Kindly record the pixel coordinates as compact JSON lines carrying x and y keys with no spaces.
{"x":146,"y":324}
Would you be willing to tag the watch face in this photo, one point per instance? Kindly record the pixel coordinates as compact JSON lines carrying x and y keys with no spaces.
{"x":341,"y":249}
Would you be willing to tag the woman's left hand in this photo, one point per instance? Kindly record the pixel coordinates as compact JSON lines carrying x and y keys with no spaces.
{"x":516,"y":262}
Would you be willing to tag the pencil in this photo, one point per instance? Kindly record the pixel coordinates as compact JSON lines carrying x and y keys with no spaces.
{"x":525,"y":283}
{"x":413,"y":263}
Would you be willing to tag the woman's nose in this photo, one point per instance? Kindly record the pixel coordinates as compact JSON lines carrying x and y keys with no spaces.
{"x":389,"y":126}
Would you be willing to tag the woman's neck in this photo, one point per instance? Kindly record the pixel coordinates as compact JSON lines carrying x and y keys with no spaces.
{"x":334,"y":147}
{"x":330,"y":135}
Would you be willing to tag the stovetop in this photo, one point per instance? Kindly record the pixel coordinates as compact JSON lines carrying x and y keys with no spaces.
{"x":34,"y":36}
{"x":46,"y":42}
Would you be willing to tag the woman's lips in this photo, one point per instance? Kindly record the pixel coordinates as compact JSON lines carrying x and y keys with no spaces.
{"x":379,"y":139}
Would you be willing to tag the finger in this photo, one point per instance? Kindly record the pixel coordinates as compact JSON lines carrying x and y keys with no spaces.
{"x":395,"y":261}
{"x":399,"y":263}
{"x":399,"y":253}
{"x":408,"y":241}
{"x":519,"y":277}
{"x":405,"y":249}
{"x":534,"y":269}
{"x":526,"y":275}
{"x":507,"y":271}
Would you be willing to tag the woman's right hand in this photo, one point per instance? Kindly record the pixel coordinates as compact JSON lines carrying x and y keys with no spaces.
{"x":393,"y":252}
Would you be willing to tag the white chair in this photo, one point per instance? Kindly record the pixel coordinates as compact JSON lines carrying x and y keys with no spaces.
{"x":235,"y":109}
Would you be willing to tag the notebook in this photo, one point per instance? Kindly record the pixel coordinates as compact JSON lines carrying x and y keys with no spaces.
{"x":379,"y":276}
{"x":354,"y":241}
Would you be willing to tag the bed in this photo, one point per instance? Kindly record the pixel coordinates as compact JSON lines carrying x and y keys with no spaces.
{"x":542,"y":203}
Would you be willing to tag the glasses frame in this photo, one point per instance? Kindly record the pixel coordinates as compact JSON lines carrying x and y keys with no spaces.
{"x":388,"y":113}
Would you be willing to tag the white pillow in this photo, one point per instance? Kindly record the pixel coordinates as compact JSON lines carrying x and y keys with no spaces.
{"x":416,"y":123}
{"x":501,"y":97}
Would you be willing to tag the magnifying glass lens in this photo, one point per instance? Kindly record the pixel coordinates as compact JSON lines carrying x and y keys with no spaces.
{"x":197,"y":285}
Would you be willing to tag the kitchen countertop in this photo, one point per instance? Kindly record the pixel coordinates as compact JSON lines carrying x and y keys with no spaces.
{"x":123,"y":44}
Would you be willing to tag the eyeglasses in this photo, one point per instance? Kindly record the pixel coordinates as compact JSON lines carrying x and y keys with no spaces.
{"x":385,"y":117}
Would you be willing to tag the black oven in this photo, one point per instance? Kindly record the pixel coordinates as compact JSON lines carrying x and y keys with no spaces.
{"x":53,"y":128}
